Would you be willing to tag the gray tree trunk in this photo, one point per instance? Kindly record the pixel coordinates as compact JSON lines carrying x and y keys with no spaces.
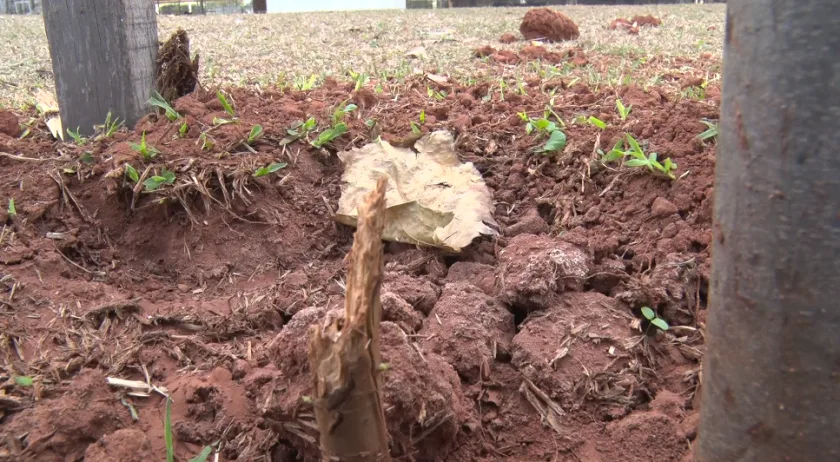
{"x":103,"y":57}
{"x":771,"y":374}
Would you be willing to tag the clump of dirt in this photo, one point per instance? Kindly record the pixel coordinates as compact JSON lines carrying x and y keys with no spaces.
{"x":484,"y":51}
{"x":508,"y":38}
{"x":177,"y":73}
{"x":9,"y":124}
{"x":621,"y":23}
{"x":128,"y":444}
{"x":548,"y":24}
{"x":646,"y":20}
{"x":575,"y":56}
{"x":468,"y":329}
{"x":532,"y":52}
{"x":632,"y":25}
{"x":534,"y":268}
{"x":642,"y":437}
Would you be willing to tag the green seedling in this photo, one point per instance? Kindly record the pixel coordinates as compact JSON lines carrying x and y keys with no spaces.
{"x":432,"y":93}
{"x":183,"y":129}
{"x":146,"y":151}
{"x":155,"y":182}
{"x":298,"y":130}
{"x":131,"y":173}
{"x":330,"y":134}
{"x":110,"y":126}
{"x":254,"y":134}
{"x":225,"y":104}
{"x":338,"y":114}
{"x":614,"y":154}
{"x":360,"y":78}
{"x":302,"y":84}
{"x":711,"y":130}
{"x":502,"y":86}
{"x":520,"y":86}
{"x":207,"y":143}
{"x":169,"y":440}
{"x":639,"y":159}
{"x":655,"y":320}
{"x":24,"y":381}
{"x":167,"y":432}
{"x":597,"y":122}
{"x":415,"y":128}
{"x":217,"y":121}
{"x":556,"y":142}
{"x":271,"y":168}
{"x":623,"y":111}
{"x":11,"y":210}
{"x":422,"y":117}
{"x":86,"y":157}
{"x":159,"y":102}
{"x":77,"y":137}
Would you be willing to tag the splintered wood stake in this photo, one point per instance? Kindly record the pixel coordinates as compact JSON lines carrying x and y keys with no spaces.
{"x":344,"y":355}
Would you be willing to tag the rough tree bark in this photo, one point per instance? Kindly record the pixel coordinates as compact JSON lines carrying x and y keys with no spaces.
{"x":771,"y":374}
{"x":344,"y":355}
{"x":103,"y":57}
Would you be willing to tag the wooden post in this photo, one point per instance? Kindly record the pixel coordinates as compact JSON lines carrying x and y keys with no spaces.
{"x":103,"y":57}
{"x":771,"y":373}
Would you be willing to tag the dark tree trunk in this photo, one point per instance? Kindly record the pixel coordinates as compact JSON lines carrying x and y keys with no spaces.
{"x":103,"y":59}
{"x":260,"y":6}
{"x":771,"y":375}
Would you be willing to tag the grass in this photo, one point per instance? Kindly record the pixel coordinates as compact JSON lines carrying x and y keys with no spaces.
{"x":254,"y":49}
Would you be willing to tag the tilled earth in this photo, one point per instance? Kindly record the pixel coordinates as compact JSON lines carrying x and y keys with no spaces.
{"x":528,"y":346}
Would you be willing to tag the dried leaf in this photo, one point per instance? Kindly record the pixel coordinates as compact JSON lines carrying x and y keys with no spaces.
{"x":432,"y":198}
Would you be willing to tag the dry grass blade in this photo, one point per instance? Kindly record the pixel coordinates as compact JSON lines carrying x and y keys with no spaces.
{"x":545,"y":406}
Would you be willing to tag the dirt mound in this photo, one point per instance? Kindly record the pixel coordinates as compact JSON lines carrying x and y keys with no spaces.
{"x":507,"y":38}
{"x":532,"y":52}
{"x":210,"y":284}
{"x":623,"y":24}
{"x":9,"y":124}
{"x":548,"y":24}
{"x":644,"y":437}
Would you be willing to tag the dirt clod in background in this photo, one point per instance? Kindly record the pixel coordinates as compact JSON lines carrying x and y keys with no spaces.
{"x":548,"y":24}
{"x":646,"y":20}
{"x":128,"y":445}
{"x":177,"y":74}
{"x":508,"y":38}
{"x":9,"y":124}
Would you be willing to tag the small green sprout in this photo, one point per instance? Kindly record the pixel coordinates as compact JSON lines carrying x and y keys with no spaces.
{"x":167,"y":432}
{"x":183,"y":129}
{"x":155,"y":182}
{"x":623,"y":111}
{"x":298,"y":130}
{"x":520,"y":86}
{"x":207,"y":143}
{"x":415,"y":128}
{"x":360,"y":78}
{"x":254,"y":135}
{"x":77,"y":137}
{"x":147,"y":151}
{"x":86,"y":157}
{"x":556,"y":142}
{"x":24,"y":381}
{"x":711,"y":130}
{"x":638,"y":159}
{"x":11,"y":210}
{"x":302,"y":84}
{"x":432,"y":93}
{"x":110,"y":126}
{"x":271,"y":168}
{"x":422,"y":117}
{"x":203,"y":455}
{"x":159,"y":102}
{"x":339,"y":113}
{"x":597,"y":122}
{"x":330,"y":134}
{"x":131,"y":173}
{"x":655,"y":320}
{"x":225,"y":104}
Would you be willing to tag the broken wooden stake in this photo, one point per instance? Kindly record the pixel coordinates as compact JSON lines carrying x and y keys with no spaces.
{"x":344,"y":355}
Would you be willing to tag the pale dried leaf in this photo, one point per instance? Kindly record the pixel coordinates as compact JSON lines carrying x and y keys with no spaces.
{"x":54,"y":125}
{"x":432,"y":198}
